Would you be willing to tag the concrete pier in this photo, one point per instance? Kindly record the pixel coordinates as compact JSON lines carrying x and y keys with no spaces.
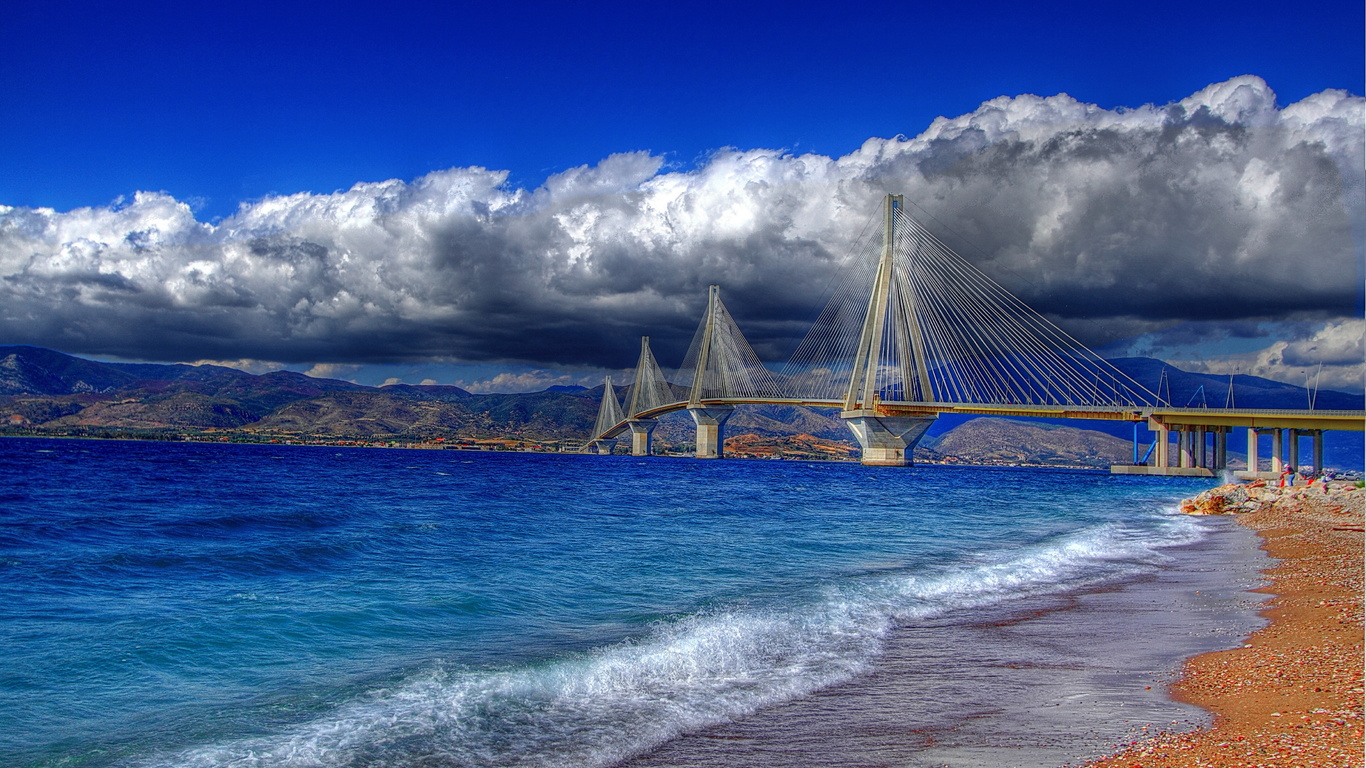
{"x":1162,"y":451}
{"x":888,"y":441}
{"x":1254,"y":454}
{"x":1285,"y":452}
{"x":1186,"y":439}
{"x":1191,"y":456}
{"x":1315,"y":449}
{"x":1277,"y":451}
{"x":641,"y":429}
{"x":1317,"y":435}
{"x":711,"y":422}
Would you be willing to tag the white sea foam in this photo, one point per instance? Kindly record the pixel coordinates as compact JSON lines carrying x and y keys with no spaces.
{"x":600,"y":707}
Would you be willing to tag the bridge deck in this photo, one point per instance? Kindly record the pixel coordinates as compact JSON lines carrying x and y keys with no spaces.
{"x":1168,"y":416}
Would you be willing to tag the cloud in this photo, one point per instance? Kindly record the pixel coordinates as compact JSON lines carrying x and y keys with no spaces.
{"x":536,"y":381}
{"x":1338,"y":348}
{"x":1333,"y":353}
{"x":332,"y":370}
{"x":1221,"y":206}
{"x":249,"y":366}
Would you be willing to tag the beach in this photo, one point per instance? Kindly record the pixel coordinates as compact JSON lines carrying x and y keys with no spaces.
{"x":1292,"y":694}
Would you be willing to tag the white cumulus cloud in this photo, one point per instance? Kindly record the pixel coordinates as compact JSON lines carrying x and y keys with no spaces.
{"x":1334,"y":357}
{"x":533,"y":381}
{"x":1222,"y":206}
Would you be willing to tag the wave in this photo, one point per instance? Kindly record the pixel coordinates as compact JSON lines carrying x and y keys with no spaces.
{"x":601,"y":707}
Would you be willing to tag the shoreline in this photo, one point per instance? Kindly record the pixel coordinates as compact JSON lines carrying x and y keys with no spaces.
{"x":1292,"y":694}
{"x":1034,"y":683}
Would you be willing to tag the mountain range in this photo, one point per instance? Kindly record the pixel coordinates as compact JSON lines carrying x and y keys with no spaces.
{"x":47,"y":392}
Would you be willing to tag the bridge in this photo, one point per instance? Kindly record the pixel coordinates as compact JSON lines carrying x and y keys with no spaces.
{"x":913,"y":331}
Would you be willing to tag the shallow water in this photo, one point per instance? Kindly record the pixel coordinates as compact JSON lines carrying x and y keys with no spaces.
{"x":221,"y":605}
{"x":1048,"y":681}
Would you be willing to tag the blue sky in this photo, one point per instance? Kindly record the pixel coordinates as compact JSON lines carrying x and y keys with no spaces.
{"x":220,"y":103}
{"x":570,"y":177}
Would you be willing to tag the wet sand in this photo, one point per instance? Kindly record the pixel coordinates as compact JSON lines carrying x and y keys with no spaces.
{"x":1292,"y":695}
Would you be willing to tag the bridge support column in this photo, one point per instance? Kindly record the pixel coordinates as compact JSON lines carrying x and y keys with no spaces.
{"x":640,"y":435}
{"x":1189,"y":446}
{"x":711,"y":422}
{"x":605,"y":447}
{"x":1202,"y":454}
{"x":888,"y":441}
{"x":1185,"y":440}
{"x":1162,"y":454}
{"x":1220,"y":448}
{"x":1315,"y":448}
{"x":1254,"y":454}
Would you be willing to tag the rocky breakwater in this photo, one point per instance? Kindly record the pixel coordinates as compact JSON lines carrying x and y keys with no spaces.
{"x":1322,"y":498}
{"x":1292,"y":695}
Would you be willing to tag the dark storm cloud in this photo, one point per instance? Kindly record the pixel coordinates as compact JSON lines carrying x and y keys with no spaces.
{"x":1222,"y":207}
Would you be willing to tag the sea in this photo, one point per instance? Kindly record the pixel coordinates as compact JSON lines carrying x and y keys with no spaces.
{"x":215,"y":605}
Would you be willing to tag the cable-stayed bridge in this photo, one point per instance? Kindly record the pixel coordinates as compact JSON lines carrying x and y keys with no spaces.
{"x":914,"y":331}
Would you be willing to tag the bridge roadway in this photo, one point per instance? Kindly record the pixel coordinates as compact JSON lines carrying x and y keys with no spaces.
{"x":1260,"y":418}
{"x":1192,"y":426}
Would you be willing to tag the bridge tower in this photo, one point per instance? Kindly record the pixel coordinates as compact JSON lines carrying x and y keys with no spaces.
{"x":710,"y":420}
{"x":888,"y":440}
{"x":609,"y":415}
{"x":649,"y":391}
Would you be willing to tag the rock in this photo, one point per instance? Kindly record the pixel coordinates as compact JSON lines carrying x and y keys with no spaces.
{"x":1211,"y":502}
{"x":1234,"y":494}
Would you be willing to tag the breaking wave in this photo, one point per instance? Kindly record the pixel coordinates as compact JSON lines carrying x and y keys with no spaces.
{"x":602,"y":706}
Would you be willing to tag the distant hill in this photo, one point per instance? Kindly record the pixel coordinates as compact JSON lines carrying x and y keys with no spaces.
{"x":37,"y":371}
{"x":1003,"y":441}
{"x":52,"y":392}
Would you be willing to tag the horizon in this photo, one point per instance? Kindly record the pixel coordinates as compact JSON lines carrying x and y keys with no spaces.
{"x":482,"y":198}
{"x":620,"y":385}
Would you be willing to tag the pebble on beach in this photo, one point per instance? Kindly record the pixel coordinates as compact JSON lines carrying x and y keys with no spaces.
{"x":1292,"y":695}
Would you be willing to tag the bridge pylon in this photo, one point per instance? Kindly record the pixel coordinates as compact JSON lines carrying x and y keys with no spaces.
{"x":887,"y":440}
{"x":649,"y":391}
{"x":609,"y":415}
{"x":710,"y":420}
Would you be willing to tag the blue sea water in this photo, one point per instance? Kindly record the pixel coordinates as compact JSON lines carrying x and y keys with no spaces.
{"x":166,"y":604}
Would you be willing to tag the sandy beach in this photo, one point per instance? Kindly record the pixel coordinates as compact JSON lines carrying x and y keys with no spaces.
{"x":1292,"y":695}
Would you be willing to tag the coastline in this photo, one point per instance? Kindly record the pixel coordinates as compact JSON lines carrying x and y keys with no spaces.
{"x":1292,"y":694}
{"x":1048,"y":681}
